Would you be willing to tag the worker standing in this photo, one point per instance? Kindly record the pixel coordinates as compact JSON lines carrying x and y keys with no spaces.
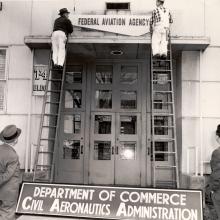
{"x":62,"y":28}
{"x":159,"y":27}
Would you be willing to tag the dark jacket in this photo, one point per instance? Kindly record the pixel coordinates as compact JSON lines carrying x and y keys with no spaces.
{"x":9,"y":173}
{"x":215,"y":167}
{"x":63,"y":24}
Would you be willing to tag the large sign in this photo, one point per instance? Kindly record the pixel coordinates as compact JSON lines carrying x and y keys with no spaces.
{"x":109,"y":202}
{"x":40,"y":79}
{"x":132,"y":25}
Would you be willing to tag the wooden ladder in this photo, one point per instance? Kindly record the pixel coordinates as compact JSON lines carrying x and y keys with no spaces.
{"x":47,"y":143}
{"x":164,"y":155}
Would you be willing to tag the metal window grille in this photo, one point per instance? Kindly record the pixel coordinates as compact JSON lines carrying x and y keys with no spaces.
{"x":2,"y":78}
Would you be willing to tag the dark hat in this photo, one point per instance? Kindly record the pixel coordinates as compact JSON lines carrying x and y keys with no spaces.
{"x":218,"y":130}
{"x":10,"y":133}
{"x":63,"y":11}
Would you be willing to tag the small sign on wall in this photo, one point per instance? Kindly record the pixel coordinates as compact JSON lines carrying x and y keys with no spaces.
{"x":40,"y":79}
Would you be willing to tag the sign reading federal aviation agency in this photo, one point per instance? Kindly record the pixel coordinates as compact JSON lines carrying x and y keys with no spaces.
{"x":109,"y":202}
{"x":132,"y":25}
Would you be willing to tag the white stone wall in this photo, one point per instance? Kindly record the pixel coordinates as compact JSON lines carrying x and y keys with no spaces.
{"x":191,"y":18}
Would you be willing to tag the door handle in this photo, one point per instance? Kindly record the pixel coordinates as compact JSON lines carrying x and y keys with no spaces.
{"x":117,"y":150}
{"x":113,"y":152}
{"x":81,"y":149}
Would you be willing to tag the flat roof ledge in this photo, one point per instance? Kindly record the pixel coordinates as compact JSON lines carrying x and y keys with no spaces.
{"x":179,"y":42}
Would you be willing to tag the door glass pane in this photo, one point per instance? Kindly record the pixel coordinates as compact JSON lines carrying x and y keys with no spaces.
{"x":160,"y":147}
{"x":129,"y":75}
{"x":103,"y":124}
{"x":128,"y":99}
{"x":104,"y":74}
{"x":71,"y":149}
{"x":72,"y":124}
{"x":160,"y":125}
{"x":103,"y":99}
{"x":102,"y":150}
{"x":128,"y":124}
{"x":128,"y":151}
{"x":74,"y":74}
{"x":73,"y":98}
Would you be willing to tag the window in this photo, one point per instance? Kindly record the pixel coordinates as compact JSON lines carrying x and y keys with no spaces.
{"x":118,"y":6}
{"x":2,"y":78}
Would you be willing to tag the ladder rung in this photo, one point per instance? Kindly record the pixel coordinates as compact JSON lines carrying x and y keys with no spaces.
{"x":161,"y":70}
{"x":55,"y":80}
{"x":56,"y":69}
{"x":50,"y":114}
{"x":41,"y":165}
{"x":165,"y":166}
{"x":155,"y":91}
{"x":157,"y":80}
{"x":45,"y":152}
{"x":163,"y":126}
{"x":55,"y":91}
{"x":163,"y":139}
{"x":54,"y":103}
{"x":47,"y":139}
{"x":47,"y":126}
{"x":158,"y":102}
{"x":164,"y":152}
{"x":161,"y":60}
{"x":162,"y":114}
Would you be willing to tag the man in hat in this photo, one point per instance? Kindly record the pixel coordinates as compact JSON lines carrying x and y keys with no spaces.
{"x":159,"y":28}
{"x":62,"y":27}
{"x":214,"y":181}
{"x":9,"y":172}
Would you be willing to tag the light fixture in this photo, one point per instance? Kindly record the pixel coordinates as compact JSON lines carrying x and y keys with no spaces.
{"x":116,"y":52}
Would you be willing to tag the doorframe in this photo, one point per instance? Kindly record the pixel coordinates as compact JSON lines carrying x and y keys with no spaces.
{"x":145,"y":161}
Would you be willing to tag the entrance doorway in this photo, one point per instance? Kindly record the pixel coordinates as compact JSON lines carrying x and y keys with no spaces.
{"x":115,"y":130}
{"x":103,"y":125}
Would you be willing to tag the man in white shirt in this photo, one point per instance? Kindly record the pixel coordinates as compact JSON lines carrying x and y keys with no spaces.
{"x":159,"y":27}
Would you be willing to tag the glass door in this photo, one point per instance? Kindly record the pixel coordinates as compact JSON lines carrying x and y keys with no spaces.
{"x":127,"y":150}
{"x":115,"y":125}
{"x":71,"y":151}
{"x":102,"y":148}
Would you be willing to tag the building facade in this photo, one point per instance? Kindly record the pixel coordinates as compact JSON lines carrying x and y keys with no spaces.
{"x":106,"y":108}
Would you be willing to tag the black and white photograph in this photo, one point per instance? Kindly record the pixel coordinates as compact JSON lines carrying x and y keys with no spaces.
{"x":109,"y":109}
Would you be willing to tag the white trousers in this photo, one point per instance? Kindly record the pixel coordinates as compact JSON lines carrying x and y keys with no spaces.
{"x":159,"y":41}
{"x":58,"y":46}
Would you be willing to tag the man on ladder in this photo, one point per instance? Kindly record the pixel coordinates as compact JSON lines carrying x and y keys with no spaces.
{"x":62,"y":27}
{"x":159,"y":27}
